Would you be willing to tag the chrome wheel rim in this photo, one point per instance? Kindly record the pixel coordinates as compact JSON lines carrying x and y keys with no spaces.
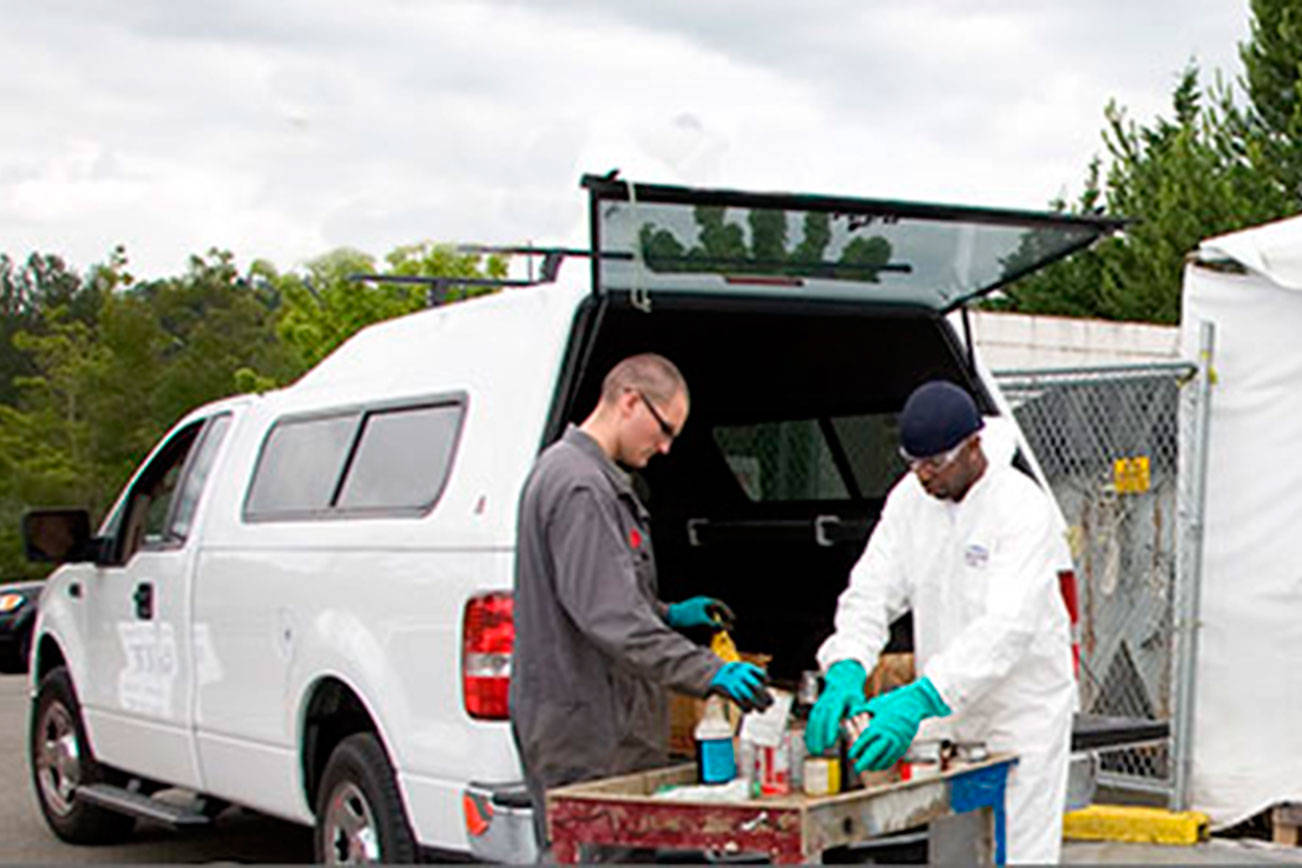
{"x":351,"y":837}
{"x":58,"y":758}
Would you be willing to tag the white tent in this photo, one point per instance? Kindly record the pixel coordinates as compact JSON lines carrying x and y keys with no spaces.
{"x":1247,"y":728}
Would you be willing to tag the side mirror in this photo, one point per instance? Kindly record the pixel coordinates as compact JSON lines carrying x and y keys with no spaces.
{"x":58,"y":536}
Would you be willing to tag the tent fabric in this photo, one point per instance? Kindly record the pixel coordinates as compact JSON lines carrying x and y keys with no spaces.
{"x":1247,"y":735}
{"x":1273,"y":250}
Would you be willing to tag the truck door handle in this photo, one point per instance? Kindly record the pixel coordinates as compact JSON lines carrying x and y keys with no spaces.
{"x":144,"y":599}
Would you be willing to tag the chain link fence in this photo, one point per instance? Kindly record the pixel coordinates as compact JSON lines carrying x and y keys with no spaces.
{"x":1107,"y":440}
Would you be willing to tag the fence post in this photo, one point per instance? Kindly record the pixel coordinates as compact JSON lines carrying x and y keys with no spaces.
{"x":1189,"y":573}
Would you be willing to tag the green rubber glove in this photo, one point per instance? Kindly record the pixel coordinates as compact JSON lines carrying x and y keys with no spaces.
{"x":700,"y":612}
{"x":743,"y":683}
{"x":842,"y":687}
{"x":895,"y":719}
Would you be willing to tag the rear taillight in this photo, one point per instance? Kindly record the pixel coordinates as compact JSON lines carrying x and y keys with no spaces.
{"x":487,"y":636}
{"x":1070,"y":598}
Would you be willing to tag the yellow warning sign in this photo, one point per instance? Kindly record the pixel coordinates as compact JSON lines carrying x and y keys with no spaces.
{"x":1130,"y":475}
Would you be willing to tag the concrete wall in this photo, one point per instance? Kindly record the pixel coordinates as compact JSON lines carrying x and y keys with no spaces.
{"x":1014,"y":340}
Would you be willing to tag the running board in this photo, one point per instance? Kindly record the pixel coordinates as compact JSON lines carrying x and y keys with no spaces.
{"x":136,"y":805}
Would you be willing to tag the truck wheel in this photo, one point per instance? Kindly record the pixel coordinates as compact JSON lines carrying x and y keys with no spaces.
{"x":359,"y":815}
{"x":61,"y":760}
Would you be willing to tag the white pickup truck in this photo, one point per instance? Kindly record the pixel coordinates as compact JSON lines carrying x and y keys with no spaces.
{"x":301,"y":601}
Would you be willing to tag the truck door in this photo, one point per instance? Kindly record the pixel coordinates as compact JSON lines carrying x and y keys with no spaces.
{"x":138,"y":700}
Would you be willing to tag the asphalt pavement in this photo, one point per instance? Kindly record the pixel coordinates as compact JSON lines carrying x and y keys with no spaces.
{"x":235,"y":836}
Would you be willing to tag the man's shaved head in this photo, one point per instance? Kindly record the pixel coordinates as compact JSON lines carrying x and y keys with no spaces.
{"x":649,"y":373}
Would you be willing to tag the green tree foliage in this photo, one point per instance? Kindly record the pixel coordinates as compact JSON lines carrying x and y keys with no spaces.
{"x":42,"y":282}
{"x":326,"y":305}
{"x":1272,"y":62}
{"x":1217,"y":166}
{"x":97,"y":369}
{"x":1179,"y":181}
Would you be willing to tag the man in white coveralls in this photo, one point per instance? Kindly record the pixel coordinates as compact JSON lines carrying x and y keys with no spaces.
{"x":972,"y":546}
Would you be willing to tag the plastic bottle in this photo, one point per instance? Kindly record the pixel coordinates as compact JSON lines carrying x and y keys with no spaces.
{"x":715,"y":761}
{"x":806,"y":696}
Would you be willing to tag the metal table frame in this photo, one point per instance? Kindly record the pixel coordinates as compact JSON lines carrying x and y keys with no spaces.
{"x":964,"y":807}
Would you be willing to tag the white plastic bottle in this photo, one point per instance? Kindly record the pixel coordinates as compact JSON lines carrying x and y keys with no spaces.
{"x":716,"y":763}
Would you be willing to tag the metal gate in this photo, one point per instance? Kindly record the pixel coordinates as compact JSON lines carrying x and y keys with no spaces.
{"x":1107,"y":440}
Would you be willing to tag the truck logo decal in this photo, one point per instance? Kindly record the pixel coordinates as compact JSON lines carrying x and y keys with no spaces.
{"x":146,"y":682}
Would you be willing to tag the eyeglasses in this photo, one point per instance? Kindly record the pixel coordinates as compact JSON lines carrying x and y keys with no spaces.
{"x":665,"y":428}
{"x":937,"y":462}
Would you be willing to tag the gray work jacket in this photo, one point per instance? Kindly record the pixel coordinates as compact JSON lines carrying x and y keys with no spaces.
{"x":593,"y":653}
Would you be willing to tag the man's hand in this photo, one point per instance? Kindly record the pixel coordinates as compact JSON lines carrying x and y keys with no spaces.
{"x":699,"y":612}
{"x":895,"y":719}
{"x":743,"y":683}
{"x":842,"y":687}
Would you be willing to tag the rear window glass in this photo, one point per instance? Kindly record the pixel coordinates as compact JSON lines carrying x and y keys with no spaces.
{"x":876,"y":251}
{"x":402,"y":458}
{"x":836,"y":458}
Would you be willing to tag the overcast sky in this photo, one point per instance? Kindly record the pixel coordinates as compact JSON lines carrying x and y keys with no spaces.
{"x":282,"y":129}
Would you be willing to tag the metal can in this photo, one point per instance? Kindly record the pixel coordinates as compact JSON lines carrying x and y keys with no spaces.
{"x":807,"y":694}
{"x":796,"y":760}
{"x":822,"y":776}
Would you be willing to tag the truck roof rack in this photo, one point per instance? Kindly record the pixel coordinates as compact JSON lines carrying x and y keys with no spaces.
{"x":552,"y":257}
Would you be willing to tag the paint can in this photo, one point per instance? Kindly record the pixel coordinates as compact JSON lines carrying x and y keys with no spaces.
{"x":822,"y":776}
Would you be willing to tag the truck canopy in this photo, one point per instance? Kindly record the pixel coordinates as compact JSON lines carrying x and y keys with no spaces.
{"x":665,"y":238}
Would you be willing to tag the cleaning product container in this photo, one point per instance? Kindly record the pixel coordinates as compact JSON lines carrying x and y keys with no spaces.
{"x":716,"y":763}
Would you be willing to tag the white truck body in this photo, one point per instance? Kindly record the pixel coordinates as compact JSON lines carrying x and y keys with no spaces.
{"x":222,"y":676}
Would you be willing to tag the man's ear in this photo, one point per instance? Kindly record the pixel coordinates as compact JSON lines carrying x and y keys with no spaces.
{"x":627,"y":402}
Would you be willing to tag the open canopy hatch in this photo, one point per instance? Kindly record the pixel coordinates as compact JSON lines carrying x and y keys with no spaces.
{"x":664,"y":238}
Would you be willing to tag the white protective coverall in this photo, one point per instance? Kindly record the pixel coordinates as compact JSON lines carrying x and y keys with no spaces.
{"x":990,"y":627}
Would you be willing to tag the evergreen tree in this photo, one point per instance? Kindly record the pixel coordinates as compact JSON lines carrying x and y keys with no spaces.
{"x":1179,"y":181}
{"x":1272,"y":62}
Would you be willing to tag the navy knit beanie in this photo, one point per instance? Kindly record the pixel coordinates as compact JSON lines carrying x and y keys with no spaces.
{"x":937,"y":417}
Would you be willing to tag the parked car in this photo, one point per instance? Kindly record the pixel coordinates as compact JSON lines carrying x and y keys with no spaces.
{"x":18,"y":601}
{"x":301,"y":602}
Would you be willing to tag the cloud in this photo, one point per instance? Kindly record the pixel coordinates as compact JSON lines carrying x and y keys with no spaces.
{"x":282,"y":130}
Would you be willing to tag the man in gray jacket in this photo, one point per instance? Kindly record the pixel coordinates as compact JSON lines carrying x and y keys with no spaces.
{"x":594,"y":646}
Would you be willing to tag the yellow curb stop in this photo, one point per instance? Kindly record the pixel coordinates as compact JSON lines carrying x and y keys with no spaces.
{"x":1135,"y":824}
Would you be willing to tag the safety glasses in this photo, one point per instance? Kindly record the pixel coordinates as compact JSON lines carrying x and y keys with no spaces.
{"x":665,"y":428}
{"x":937,"y":462}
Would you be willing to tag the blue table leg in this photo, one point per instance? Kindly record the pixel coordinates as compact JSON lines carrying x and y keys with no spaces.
{"x":983,"y":788}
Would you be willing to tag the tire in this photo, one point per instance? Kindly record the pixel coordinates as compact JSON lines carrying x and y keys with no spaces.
{"x":61,"y":760}
{"x":359,"y":815}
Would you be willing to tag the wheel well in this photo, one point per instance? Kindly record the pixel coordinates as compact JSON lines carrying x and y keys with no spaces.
{"x":48,"y":656}
{"x":333,"y":713}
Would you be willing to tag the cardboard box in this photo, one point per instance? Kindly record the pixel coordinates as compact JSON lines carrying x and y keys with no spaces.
{"x":685,"y":712}
{"x":892,"y":670}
